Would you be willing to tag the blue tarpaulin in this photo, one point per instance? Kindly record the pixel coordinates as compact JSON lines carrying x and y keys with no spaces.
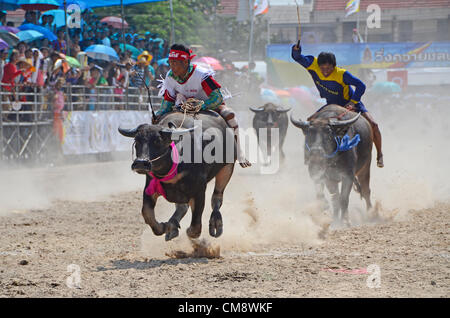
{"x":88,"y":4}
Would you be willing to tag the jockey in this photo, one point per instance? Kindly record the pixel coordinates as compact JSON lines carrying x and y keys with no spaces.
{"x":186,"y":80}
{"x":333,"y":84}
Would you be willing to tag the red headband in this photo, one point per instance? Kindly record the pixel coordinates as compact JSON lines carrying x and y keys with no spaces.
{"x":180,"y":55}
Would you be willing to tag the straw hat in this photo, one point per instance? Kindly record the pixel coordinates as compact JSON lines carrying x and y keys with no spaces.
{"x":145,"y":57}
{"x":24,"y":60}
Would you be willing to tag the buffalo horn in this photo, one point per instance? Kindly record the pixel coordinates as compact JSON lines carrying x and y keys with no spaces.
{"x":257,"y":110}
{"x":299,"y":123}
{"x":128,"y":132}
{"x":339,"y":123}
{"x":177,"y":132}
{"x":283,"y":110}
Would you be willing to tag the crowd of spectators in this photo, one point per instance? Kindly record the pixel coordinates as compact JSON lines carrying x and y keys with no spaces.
{"x":42,"y":64}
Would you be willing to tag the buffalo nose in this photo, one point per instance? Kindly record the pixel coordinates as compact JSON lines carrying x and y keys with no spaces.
{"x":141,"y":164}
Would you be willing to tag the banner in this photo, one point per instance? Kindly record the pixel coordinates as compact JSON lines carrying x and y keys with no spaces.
{"x":379,"y":55}
{"x":88,"y":132}
{"x":351,"y":7}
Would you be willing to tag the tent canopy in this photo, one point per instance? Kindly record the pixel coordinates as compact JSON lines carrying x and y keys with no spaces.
{"x":89,"y":3}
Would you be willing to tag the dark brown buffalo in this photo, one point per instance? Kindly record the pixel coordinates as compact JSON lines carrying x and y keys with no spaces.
{"x":152,"y":144}
{"x":328,"y":167}
{"x":270,"y":117}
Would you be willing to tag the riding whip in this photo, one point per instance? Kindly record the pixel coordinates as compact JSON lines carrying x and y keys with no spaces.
{"x":299,"y":24}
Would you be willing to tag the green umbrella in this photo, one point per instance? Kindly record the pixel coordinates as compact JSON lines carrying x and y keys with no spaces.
{"x":134,"y":51}
{"x":73,"y":62}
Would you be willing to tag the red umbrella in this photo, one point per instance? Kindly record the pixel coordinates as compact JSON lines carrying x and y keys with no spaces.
{"x":214,"y":63}
{"x":115,"y":22}
{"x":39,"y":5}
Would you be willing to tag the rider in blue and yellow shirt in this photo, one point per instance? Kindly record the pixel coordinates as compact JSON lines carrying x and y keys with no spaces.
{"x":335,"y":85}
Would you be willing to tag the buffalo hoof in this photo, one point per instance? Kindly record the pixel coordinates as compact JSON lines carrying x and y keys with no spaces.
{"x":194,"y":231}
{"x":215,"y":224}
{"x":172,"y":230}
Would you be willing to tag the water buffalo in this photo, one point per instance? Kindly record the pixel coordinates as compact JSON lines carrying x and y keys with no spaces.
{"x":267,"y":117}
{"x":184,"y":183}
{"x":329,"y":162}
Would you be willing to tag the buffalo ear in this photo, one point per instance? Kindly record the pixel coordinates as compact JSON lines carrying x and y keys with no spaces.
{"x":340,"y":131}
{"x":128,"y":132}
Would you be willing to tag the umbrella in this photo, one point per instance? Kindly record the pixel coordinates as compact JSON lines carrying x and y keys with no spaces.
{"x":73,"y":62}
{"x":47,"y":33}
{"x":29,"y":35}
{"x":39,"y":5}
{"x":9,"y":38}
{"x":102,"y":52}
{"x":9,"y":29}
{"x":3,"y":45}
{"x":134,"y":51}
{"x":58,"y":15}
{"x":115,"y":22}
{"x":163,"y":61}
{"x":214,"y":63}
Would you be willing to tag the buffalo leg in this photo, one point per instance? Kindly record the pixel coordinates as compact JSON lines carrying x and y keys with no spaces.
{"x":333,"y":188}
{"x":364,"y":181}
{"x":347,"y":184}
{"x":222,"y":179}
{"x":320,"y":195}
{"x":174,"y":222}
{"x":197,"y":206}
{"x":148,"y":212}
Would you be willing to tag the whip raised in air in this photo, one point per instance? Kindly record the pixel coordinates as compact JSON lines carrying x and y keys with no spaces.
{"x":299,"y":25}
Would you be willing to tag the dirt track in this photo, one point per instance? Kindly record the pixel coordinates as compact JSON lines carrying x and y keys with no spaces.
{"x":275,"y":242}
{"x":110,"y":243}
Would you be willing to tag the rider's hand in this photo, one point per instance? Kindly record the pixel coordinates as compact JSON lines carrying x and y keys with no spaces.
{"x":350,"y":106}
{"x":155,"y":119}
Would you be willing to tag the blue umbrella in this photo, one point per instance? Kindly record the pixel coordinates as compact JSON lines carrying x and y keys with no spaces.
{"x":47,"y":33}
{"x":102,"y":52}
{"x":29,"y":35}
{"x":163,"y":61}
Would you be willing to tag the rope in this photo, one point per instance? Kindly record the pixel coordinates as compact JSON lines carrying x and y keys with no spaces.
{"x":191,"y":106}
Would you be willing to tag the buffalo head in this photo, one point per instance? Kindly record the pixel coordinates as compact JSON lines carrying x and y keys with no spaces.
{"x":320,"y":138}
{"x":152,"y":145}
{"x":269,"y":114}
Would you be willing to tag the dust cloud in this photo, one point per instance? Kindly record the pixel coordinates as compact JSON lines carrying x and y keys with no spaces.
{"x":261,"y":212}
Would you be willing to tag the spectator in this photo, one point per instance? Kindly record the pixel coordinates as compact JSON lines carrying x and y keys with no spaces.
{"x":3,"y":57}
{"x":60,"y":44}
{"x":21,"y":47}
{"x":105,"y":39}
{"x":2,"y":17}
{"x":44,"y":21}
{"x":356,"y":37}
{"x":10,"y":73}
{"x":58,"y":106}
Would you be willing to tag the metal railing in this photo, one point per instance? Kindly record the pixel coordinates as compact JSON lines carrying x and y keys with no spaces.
{"x":26,"y":127}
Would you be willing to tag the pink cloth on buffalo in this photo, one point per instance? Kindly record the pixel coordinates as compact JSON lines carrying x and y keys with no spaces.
{"x":155,"y":184}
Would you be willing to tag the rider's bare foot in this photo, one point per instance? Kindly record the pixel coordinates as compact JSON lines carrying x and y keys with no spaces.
{"x":380,"y":163}
{"x":245,"y":163}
